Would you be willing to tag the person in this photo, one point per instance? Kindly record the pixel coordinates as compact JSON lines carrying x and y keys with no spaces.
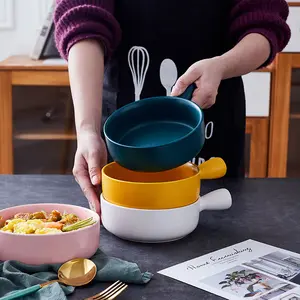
{"x":126,"y":50}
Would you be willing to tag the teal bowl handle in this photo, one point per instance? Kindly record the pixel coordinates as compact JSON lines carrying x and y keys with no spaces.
{"x":22,"y":293}
{"x":188,"y":93}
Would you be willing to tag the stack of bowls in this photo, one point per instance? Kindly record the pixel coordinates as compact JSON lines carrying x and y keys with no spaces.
{"x":157,"y":207}
{"x":150,"y":193}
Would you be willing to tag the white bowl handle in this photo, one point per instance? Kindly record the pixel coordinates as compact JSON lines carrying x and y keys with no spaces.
{"x":217,"y":200}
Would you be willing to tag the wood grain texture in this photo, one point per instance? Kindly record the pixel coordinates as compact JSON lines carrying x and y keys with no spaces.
{"x":21,"y":62}
{"x":40,"y":78}
{"x":294,"y":4}
{"x":295,"y":60}
{"x":45,"y":136}
{"x":279,"y":116}
{"x":6,"y":124}
{"x":258,"y":130}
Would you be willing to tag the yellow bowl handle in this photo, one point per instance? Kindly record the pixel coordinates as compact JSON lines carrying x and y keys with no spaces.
{"x":212,"y":168}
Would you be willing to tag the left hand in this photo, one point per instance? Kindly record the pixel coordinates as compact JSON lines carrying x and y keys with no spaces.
{"x":207,"y":75}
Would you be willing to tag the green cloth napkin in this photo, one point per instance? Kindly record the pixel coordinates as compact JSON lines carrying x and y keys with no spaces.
{"x":16,"y":276}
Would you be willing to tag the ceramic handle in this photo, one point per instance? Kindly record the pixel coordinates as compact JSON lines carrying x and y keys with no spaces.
{"x":188,"y":93}
{"x":216,"y":200}
{"x":212,"y":168}
{"x":22,"y":293}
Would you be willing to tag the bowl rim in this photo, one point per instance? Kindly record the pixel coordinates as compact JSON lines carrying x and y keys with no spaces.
{"x":146,"y":101}
{"x":150,"y":210}
{"x":95,"y":216}
{"x":103,"y":171}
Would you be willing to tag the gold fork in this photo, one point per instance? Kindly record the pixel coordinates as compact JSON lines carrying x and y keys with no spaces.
{"x":111,"y":292}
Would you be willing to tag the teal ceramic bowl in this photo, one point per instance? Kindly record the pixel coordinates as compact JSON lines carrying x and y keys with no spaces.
{"x":155,"y":134}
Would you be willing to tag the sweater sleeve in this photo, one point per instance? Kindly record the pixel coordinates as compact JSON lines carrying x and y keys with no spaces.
{"x":266,"y":17}
{"x":76,"y":20}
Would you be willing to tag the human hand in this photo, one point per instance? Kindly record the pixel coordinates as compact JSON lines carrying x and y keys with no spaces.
{"x":90,"y":157}
{"x":207,"y":75}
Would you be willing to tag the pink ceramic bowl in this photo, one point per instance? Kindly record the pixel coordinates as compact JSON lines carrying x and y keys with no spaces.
{"x":50,"y":248}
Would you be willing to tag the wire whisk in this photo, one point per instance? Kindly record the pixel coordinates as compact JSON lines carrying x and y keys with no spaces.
{"x":138,"y":61}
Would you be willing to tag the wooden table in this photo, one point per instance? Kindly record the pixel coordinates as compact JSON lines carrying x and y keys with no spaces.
{"x":22,"y":71}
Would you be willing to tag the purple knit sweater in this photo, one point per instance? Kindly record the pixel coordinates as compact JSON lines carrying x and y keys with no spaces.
{"x":76,"y":20}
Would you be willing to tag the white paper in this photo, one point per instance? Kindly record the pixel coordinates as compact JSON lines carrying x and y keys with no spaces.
{"x":248,"y":270}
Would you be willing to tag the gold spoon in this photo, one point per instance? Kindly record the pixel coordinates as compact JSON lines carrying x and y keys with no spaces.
{"x":76,"y":272}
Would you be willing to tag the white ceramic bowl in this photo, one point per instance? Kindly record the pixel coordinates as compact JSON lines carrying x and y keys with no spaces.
{"x":163,"y":225}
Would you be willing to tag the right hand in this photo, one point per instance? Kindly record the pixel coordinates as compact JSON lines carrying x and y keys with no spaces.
{"x":90,"y":157}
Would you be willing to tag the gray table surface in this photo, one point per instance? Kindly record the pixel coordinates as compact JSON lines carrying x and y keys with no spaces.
{"x":266,"y":210}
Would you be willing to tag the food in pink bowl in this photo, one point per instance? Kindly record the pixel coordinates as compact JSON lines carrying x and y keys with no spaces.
{"x":48,"y":233}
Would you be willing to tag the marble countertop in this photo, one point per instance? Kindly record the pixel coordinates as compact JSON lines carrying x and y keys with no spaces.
{"x":266,"y":210}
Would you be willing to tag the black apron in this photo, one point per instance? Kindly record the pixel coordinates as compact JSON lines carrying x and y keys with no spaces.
{"x":185,"y":32}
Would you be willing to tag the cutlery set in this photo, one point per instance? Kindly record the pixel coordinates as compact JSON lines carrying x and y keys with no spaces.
{"x":76,"y":272}
{"x":111,"y":292}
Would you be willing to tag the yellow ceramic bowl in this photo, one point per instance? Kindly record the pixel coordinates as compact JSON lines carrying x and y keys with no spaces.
{"x":168,"y":189}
